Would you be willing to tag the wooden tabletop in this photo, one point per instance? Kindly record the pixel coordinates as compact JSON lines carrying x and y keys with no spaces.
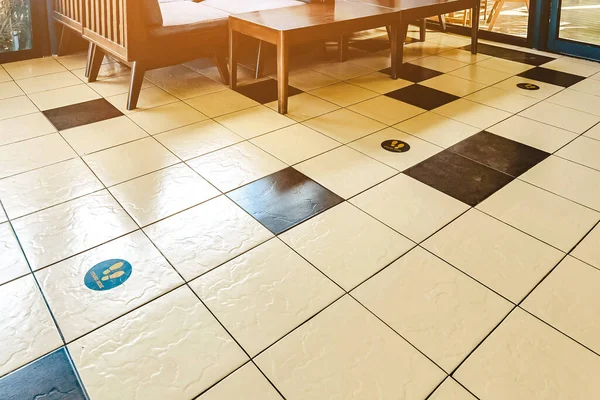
{"x":312,"y":15}
{"x":406,"y":4}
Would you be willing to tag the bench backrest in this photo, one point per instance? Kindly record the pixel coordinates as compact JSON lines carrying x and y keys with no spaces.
{"x":69,"y":13}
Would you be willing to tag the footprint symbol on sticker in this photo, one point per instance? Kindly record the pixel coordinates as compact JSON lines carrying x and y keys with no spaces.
{"x":118,"y":272}
{"x":107,"y":274}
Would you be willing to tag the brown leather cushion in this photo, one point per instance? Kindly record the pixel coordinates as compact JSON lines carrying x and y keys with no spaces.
{"x":185,"y":16}
{"x":242,"y":6}
{"x":151,"y":10}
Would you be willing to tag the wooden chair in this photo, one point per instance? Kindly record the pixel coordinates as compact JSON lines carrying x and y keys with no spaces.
{"x":497,"y":8}
{"x":149,"y":35}
{"x":69,"y":15}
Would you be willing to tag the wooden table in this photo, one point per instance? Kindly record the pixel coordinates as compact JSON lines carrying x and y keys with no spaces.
{"x":412,"y":10}
{"x":285,"y":27}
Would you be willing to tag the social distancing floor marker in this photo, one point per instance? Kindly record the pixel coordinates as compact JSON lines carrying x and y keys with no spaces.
{"x":107,"y":274}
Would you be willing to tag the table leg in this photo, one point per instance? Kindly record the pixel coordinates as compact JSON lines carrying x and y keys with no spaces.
{"x":398,"y":34}
{"x":232,"y":60}
{"x":475,"y":26}
{"x":282,"y":74}
{"x":343,"y":48}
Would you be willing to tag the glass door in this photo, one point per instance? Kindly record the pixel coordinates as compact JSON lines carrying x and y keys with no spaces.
{"x":575,"y":28}
{"x":23,"y":29}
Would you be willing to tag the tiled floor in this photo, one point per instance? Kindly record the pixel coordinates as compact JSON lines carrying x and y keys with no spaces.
{"x":206,"y":247}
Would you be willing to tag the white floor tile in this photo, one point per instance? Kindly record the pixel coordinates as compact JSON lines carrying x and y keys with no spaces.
{"x":346,"y":353}
{"x":437,"y":129}
{"x":572,"y":66}
{"x":561,"y":117}
{"x":34,"y":67}
{"x":16,"y":106}
{"x":437,"y":308}
{"x":172,"y":348}
{"x":450,"y":390}
{"x":506,"y":66}
{"x":578,"y":101}
{"x":588,"y":250}
{"x":582,"y":150}
{"x":62,"y":97}
{"x":12,"y":263}
{"x":379,"y":82}
{"x":453,"y":85}
{"x":497,"y":255}
{"x":502,"y":99}
{"x":48,"y":82}
{"x":545,"y":89}
{"x":343,"y":94}
{"x":305,"y":106}
{"x":438,"y":63}
{"x":24,"y":127}
{"x":479,"y":74}
{"x":201,"y":238}
{"x":78,"y":313}
{"x":409,"y":206}
{"x":386,"y":110}
{"x":254,"y":121}
{"x":472,"y":113}
{"x":247,"y":383}
{"x":344,"y":125}
{"x":167,"y":117}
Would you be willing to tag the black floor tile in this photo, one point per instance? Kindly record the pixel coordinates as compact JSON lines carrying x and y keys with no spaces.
{"x":81,"y":114}
{"x":284,"y":199}
{"x":510,"y":54}
{"x":459,"y":177}
{"x":422,"y":96}
{"x":264,"y":91}
{"x":371,"y":45}
{"x":414,"y":73}
{"x":551,"y":76}
{"x":50,"y":377}
{"x":504,"y":155}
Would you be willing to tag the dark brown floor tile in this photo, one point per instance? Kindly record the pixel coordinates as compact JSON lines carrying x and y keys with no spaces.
{"x":510,"y":54}
{"x":81,"y":114}
{"x":371,"y":45}
{"x":551,"y":76}
{"x":504,"y":155}
{"x":264,"y":91}
{"x":422,"y":96}
{"x":459,"y":177}
{"x":284,"y":199}
{"x":414,"y":73}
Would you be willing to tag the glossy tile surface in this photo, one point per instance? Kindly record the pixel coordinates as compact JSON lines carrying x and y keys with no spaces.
{"x":284,"y":199}
{"x":265,"y":293}
{"x":246,"y":229}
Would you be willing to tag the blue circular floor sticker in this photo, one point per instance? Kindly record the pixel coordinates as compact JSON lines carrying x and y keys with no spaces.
{"x":528,"y":86}
{"x":107,"y":274}
{"x":395,"y":146}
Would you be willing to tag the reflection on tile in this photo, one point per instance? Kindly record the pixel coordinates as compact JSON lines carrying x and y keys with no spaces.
{"x":109,"y":87}
{"x":527,"y":208}
{"x":506,"y":66}
{"x":453,"y":84}
{"x":502,"y":99}
{"x":305,"y":106}
{"x":379,"y":82}
{"x":24,"y":127}
{"x":437,"y":129}
{"x":284,"y":199}
{"x":342,"y":70}
{"x":167,"y":117}
{"x":347,"y":259}
{"x":75,"y":115}
{"x":344,"y":125}
{"x":235,"y":166}
{"x":44,"y":187}
{"x":422,"y":298}
{"x":307,"y":79}
{"x":12,"y":263}
{"x":149,"y":98}
{"x":264,"y":91}
{"x":77,"y":313}
{"x":573,"y":66}
{"x":419,"y":149}
{"x":35,"y":67}
{"x":527,"y":359}
{"x":265,"y":293}
{"x":47,"y":236}
{"x":254,"y":121}
{"x":510,"y":54}
{"x":28,"y":331}
{"x":479,"y":74}
{"x":409,"y":207}
{"x":200,"y":352}
{"x":247,"y":383}
{"x":438,"y":63}
{"x":162,"y":193}
{"x":33,"y":153}
{"x":533,"y":133}
{"x":203,"y":237}
{"x":45,"y":377}
{"x":101,"y":135}
{"x":345,"y":171}
{"x":343,"y":94}
{"x":497,"y":255}
{"x":295,"y":143}
{"x":463,"y":56}
{"x":386,"y":109}
{"x":414,"y":73}
{"x":499,"y":153}
{"x":567,"y":299}
{"x":422,"y":96}
{"x":129,"y":160}
{"x":459,"y":177}
{"x":319,"y":360}
{"x":552,"y":76}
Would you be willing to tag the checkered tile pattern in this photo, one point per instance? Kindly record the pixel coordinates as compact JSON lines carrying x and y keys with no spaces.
{"x":294,"y":257}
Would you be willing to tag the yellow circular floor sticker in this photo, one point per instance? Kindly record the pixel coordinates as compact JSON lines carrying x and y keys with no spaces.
{"x":395,"y":146}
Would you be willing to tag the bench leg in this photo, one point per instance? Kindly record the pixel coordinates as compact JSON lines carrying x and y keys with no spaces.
{"x":260,"y":60}
{"x":65,"y":39}
{"x":135,"y":85}
{"x":422,"y":29}
{"x":475,"y":26}
{"x":232,"y":60}
{"x":343,"y":48}
{"x":221,"y":62}
{"x":282,"y":74}
{"x":95,"y":63}
{"x":88,"y":65}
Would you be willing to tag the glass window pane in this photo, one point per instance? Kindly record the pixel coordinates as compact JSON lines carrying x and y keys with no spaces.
{"x":580,"y":21}
{"x":15,"y":25}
